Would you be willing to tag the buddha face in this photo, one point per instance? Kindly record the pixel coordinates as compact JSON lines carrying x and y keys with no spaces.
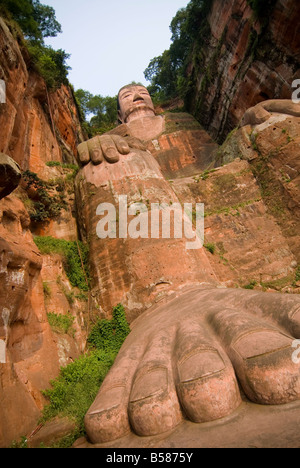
{"x":134,"y":102}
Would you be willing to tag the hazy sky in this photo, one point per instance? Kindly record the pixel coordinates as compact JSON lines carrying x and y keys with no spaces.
{"x":111,"y":42}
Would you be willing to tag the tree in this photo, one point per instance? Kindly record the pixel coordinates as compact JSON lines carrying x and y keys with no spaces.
{"x":36,"y":20}
{"x":161,"y":72}
{"x":100,"y":113}
{"x":167,"y":73}
{"x":44,"y":15}
{"x":50,"y":64}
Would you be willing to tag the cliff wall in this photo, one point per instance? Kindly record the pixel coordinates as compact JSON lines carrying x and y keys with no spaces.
{"x":244,"y":60}
{"x":37,"y":127}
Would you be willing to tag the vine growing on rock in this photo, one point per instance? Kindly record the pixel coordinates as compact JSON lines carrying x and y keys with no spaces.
{"x":47,"y":200}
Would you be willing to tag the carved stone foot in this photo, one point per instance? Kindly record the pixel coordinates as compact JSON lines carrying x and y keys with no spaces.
{"x":188,"y":359}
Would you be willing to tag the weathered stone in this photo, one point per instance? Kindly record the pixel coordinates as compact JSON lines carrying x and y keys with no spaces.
{"x":37,"y":126}
{"x":52,"y":432}
{"x":243,"y":63}
{"x":10,"y":175}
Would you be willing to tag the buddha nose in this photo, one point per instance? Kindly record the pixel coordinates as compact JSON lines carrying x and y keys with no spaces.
{"x":137,"y":97}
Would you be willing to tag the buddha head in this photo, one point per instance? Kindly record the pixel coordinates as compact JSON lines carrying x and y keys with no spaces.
{"x":134,"y":102}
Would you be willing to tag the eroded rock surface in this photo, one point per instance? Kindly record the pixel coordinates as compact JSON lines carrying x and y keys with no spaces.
{"x":247,"y":60}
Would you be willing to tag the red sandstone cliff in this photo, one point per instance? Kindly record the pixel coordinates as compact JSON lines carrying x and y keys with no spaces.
{"x":37,"y":126}
{"x":243,"y":62}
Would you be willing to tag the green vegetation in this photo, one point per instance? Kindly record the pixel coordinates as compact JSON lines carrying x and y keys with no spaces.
{"x":36,"y":20}
{"x":73,"y":167}
{"x":20,"y":444}
{"x":110,"y":334}
{"x":48,"y":199}
{"x":250,"y":285}
{"x":210,"y":247}
{"x":32,"y":22}
{"x":50,"y":64}
{"x":60,"y":323}
{"x":98,"y":114}
{"x":205,"y":175}
{"x":167,"y":73}
{"x":46,"y":204}
{"x":231,"y":210}
{"x":46,"y":290}
{"x":75,"y":258}
{"x":75,"y":389}
{"x":297,"y":275}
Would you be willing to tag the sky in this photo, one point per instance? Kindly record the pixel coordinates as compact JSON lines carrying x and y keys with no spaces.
{"x":111,"y":42}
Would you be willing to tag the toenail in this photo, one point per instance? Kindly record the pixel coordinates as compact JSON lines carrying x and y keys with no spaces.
{"x":259,"y":343}
{"x":296,"y":315}
{"x":201,"y":364}
{"x":149,"y":384}
{"x":110,"y":399}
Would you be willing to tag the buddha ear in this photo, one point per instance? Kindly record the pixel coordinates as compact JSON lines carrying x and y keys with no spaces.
{"x":120,"y":120}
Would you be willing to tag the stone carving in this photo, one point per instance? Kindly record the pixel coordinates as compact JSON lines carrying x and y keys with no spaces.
{"x":263,"y":111}
{"x":198,"y":353}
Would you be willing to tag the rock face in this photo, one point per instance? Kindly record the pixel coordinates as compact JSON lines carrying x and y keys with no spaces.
{"x":33,"y":353}
{"x":245,"y":243}
{"x":23,"y":324}
{"x":272,"y":150}
{"x":37,"y":126}
{"x":246,"y":61}
{"x":10,"y":175}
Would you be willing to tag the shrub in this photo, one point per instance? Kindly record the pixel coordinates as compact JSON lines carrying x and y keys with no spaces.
{"x":251,"y":285}
{"x":73,"y":392}
{"x":75,"y":258}
{"x":210,"y":247}
{"x":36,"y":20}
{"x":110,"y":334}
{"x":53,"y":163}
{"x":46,"y":290}
{"x":50,"y":64}
{"x":60,"y":323}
